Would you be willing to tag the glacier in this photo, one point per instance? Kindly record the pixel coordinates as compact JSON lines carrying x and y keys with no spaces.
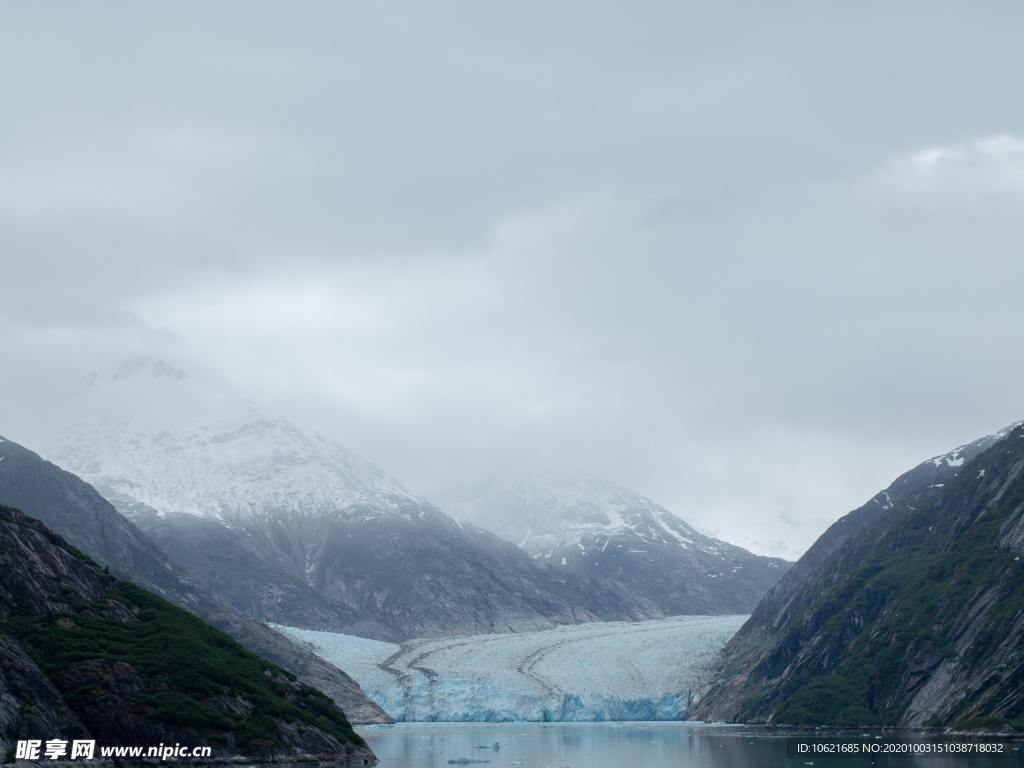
{"x":647,"y":670}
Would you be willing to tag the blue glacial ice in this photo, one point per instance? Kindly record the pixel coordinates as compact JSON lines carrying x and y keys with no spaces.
{"x":650,"y":670}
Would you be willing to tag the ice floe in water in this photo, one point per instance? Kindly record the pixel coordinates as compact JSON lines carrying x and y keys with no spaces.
{"x":645,"y":670}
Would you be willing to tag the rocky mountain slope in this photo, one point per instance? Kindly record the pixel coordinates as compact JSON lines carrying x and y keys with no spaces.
{"x":416,"y":576}
{"x":85,"y":655}
{"x":909,"y":610}
{"x":598,"y":530}
{"x":74,"y":509}
{"x":291,"y":528}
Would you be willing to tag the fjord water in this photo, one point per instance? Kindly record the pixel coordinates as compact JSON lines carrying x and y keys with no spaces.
{"x":636,"y":745}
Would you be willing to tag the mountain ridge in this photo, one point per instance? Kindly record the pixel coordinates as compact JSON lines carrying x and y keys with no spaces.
{"x":296,"y":530}
{"x":907,"y":611}
{"x":598,"y":529}
{"x":77,"y":512}
{"x":86,"y":655}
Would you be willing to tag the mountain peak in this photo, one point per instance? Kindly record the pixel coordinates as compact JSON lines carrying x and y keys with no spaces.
{"x":960,"y":454}
{"x":154,"y":439}
{"x":547,"y":509}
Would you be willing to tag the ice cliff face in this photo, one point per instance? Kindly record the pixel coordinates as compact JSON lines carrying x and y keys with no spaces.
{"x":599,"y":530}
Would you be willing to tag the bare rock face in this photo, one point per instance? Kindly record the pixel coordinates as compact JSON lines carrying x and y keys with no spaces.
{"x":413,"y":572}
{"x":85,"y":655}
{"x":75,"y":510}
{"x":908,"y":611}
{"x":22,"y":681}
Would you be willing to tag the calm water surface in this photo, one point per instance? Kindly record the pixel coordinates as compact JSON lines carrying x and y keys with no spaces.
{"x":636,"y":745}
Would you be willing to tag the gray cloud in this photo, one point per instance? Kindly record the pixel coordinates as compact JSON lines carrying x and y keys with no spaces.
{"x":752,"y":260}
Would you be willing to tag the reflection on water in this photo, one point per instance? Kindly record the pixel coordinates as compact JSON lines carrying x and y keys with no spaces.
{"x":635,"y":745}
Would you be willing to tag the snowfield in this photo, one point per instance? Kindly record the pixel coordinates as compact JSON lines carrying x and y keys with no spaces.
{"x":647,"y":670}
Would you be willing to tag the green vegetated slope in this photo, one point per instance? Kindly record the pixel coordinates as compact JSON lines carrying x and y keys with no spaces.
{"x":916,"y":617}
{"x":82,"y":652}
{"x":73,"y":509}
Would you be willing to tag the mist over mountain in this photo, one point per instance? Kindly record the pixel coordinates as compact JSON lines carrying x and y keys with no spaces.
{"x":594,"y":528}
{"x":290,"y":527}
{"x":716,"y":253}
{"x":504,"y":339}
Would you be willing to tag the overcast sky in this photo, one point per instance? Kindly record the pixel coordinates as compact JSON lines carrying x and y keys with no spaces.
{"x":753,"y":260}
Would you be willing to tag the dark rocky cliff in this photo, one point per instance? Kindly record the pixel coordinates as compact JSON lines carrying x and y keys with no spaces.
{"x":908,"y":611}
{"x":77,"y":512}
{"x":86,"y":655}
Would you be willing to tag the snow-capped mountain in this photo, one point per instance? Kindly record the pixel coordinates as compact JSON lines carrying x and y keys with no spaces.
{"x":71,"y":508}
{"x":292,"y":528}
{"x":598,"y":529}
{"x":158,"y":439}
{"x":547,"y":511}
